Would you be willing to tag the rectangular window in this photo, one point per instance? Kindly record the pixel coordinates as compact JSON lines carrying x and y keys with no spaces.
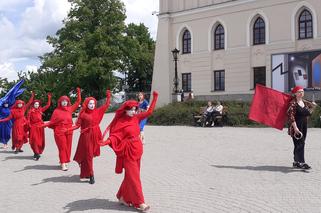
{"x":187,"y":82}
{"x":259,"y":76}
{"x":219,"y":80}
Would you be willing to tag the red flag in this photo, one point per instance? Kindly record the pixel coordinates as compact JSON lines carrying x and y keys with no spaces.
{"x":269,"y":107}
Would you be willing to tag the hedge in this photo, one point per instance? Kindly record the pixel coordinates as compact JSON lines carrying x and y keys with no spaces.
{"x":181,"y":113}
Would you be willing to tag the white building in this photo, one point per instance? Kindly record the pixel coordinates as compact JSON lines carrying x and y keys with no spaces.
{"x":227,"y":46}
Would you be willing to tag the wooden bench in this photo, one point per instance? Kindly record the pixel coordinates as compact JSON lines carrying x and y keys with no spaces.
{"x":199,"y":118}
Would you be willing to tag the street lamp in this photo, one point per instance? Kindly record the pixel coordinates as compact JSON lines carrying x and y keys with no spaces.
{"x":175,"y":54}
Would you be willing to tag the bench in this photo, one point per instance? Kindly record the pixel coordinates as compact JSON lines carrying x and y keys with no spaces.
{"x":199,"y":118}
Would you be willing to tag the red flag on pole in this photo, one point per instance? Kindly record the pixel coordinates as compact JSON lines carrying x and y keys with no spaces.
{"x":269,"y":107}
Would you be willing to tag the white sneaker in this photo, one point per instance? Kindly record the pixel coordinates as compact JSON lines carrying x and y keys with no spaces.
{"x":64,"y":167}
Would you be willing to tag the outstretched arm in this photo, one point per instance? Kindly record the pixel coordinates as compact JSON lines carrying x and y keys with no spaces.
{"x":48,"y":103}
{"x":102,"y":109}
{"x":76,"y":104}
{"x":6,"y":119}
{"x":30,"y":100}
{"x":151,"y":108}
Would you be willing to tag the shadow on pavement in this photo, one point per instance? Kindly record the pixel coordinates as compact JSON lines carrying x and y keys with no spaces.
{"x":283,"y":169}
{"x":96,"y":204}
{"x":7,"y":152}
{"x":60,"y":179}
{"x":40,"y":167}
{"x":18,"y":157}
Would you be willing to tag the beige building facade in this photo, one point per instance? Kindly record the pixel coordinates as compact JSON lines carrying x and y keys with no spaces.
{"x":227,"y":46}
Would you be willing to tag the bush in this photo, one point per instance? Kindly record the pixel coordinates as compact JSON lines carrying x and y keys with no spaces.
{"x":181,"y":113}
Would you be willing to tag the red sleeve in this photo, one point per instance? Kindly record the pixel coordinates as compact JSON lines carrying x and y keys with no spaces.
{"x":30,"y":100}
{"x":150,"y":110}
{"x":7,"y":118}
{"x":76,"y":104}
{"x":53,"y":120}
{"x":102,"y":109}
{"x":47,"y":105}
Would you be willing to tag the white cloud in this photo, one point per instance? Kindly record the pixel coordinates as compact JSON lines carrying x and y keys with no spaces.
{"x":7,"y":70}
{"x":25,"y":24}
{"x":140,"y":11}
{"x":32,"y":68}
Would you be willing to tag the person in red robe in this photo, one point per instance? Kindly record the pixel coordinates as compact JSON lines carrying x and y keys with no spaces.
{"x":88,"y":145}
{"x":20,"y":123}
{"x":60,"y":121}
{"x":124,"y":139}
{"x":37,"y":133}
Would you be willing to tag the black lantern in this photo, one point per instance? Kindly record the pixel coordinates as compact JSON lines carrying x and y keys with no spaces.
{"x":175,"y":54}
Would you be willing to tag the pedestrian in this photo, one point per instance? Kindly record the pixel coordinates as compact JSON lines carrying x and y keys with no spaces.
{"x":298,"y":112}
{"x":36,"y":132}
{"x":125,"y":141}
{"x":143,"y":106}
{"x":20,"y":123}
{"x":60,"y":121}
{"x":88,"y":144}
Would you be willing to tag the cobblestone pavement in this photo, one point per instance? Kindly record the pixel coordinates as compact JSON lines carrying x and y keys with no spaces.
{"x":184,"y":169}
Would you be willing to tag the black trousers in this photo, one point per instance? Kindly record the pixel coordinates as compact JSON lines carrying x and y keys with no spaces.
{"x":299,"y":145}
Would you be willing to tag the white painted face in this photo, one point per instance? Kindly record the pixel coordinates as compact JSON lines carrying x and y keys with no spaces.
{"x":36,"y":105}
{"x":64,"y":103}
{"x":20,"y":105}
{"x":91,"y":105}
{"x":131,"y":112}
{"x":6,"y":105}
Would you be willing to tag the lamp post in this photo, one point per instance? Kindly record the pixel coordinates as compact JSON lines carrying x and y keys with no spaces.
{"x":175,"y":54}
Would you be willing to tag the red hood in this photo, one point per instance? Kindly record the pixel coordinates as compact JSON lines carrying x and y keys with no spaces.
{"x":63,"y":98}
{"x":18,"y":102}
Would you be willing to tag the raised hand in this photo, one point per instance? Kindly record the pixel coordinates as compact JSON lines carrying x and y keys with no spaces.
{"x":108,"y":94}
{"x":155,"y":93}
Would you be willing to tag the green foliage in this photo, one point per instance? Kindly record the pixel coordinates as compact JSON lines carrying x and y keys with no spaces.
{"x":87,"y":49}
{"x":138,"y":57}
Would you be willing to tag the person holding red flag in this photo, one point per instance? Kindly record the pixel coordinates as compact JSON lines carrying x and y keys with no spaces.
{"x":124,"y":139}
{"x":20,"y":124}
{"x":88,"y":145}
{"x":298,"y":112}
{"x":60,"y":121}
{"x":37,"y":133}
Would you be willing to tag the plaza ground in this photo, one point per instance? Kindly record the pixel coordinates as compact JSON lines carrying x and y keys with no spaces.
{"x":184,"y":169}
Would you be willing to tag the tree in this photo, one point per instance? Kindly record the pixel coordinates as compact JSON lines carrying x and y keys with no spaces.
{"x":87,"y":49}
{"x":138,"y":58}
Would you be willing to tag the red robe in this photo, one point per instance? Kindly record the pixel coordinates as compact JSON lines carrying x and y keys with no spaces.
{"x":36,"y":132}
{"x":88,"y":144}
{"x":126,"y":143}
{"x":20,"y":123}
{"x":61,"y":119}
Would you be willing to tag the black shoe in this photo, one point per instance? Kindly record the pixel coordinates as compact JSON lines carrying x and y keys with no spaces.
{"x":296,"y":165}
{"x":91,"y":180}
{"x":20,"y":150}
{"x":16,"y":152}
{"x":305,"y":166}
{"x":37,"y":157}
{"x":34,"y":156}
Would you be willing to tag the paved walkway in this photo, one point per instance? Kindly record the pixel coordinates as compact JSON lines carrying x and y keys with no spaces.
{"x":184,"y":169}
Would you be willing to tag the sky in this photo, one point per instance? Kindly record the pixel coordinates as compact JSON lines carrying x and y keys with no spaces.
{"x":25,"y":24}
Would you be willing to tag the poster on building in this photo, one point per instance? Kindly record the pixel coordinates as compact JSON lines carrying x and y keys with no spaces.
{"x":296,"y":69}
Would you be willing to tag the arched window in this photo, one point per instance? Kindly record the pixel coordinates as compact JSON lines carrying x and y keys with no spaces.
{"x":187,"y":42}
{"x":305,"y":25}
{"x":219,"y":38}
{"x":259,"y":31}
